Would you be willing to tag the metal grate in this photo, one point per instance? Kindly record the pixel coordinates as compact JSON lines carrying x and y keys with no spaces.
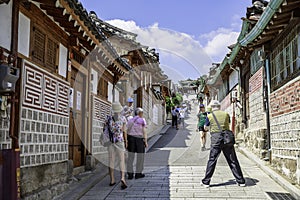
{"x":280,"y":196}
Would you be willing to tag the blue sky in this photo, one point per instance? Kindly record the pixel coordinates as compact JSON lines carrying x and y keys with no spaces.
{"x":189,"y":35}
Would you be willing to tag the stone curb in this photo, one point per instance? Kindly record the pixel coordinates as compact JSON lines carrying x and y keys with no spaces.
{"x":293,"y":190}
{"x":78,"y":190}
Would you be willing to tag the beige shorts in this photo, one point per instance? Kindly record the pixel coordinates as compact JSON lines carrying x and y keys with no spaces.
{"x":119,"y":146}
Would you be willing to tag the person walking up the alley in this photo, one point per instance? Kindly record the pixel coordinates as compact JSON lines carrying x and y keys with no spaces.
{"x":223,"y":119}
{"x":115,"y":126}
{"x":128,"y":109}
{"x":137,"y":142}
{"x":182,"y":113}
{"x":201,"y":122}
{"x":174,"y":117}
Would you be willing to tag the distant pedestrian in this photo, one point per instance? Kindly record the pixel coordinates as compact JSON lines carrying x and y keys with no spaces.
{"x":182,"y":113}
{"x":174,"y":117}
{"x":137,"y":142}
{"x":127,"y":111}
{"x":116,"y":124}
{"x":201,"y":122}
{"x":217,"y":145}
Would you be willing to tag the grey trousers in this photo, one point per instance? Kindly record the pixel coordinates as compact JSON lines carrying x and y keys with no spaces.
{"x":230,"y":155}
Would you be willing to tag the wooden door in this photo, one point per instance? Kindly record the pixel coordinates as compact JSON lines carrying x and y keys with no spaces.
{"x":77,"y":125}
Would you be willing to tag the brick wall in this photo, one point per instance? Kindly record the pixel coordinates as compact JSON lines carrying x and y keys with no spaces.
{"x":256,"y":135}
{"x":257,"y":114}
{"x":100,"y":110}
{"x":285,"y":129}
{"x":226,"y":104}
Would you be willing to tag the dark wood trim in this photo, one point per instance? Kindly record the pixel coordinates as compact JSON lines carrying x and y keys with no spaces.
{"x":40,"y":19}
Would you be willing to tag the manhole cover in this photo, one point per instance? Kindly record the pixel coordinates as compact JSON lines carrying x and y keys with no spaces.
{"x":280,"y":196}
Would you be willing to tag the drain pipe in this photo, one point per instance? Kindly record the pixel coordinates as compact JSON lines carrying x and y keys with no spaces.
{"x":267,"y":107}
{"x":234,"y":103}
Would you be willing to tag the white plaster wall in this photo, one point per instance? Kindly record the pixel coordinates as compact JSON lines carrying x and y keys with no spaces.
{"x":5,"y":24}
{"x":24,"y":35}
{"x":110,"y":93}
{"x":63,"y":56}
{"x":94,"y":81}
{"x":117,"y":95}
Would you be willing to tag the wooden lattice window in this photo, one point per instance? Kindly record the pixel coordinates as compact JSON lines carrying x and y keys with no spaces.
{"x":39,"y":41}
{"x":102,"y":88}
{"x":51,"y":54}
{"x":44,"y":49}
{"x":285,"y":59}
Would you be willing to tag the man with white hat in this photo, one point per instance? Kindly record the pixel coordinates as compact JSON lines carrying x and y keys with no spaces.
{"x":127,"y":111}
{"x":217,"y":145}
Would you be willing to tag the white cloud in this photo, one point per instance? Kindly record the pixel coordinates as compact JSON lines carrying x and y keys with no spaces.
{"x":217,"y":45}
{"x":181,"y":51}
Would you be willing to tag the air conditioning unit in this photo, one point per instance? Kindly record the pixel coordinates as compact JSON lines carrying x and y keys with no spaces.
{"x":234,"y":94}
{"x":4,"y":1}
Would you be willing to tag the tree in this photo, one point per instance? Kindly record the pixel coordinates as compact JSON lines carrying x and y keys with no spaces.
{"x":178,"y":99}
{"x":169,"y":104}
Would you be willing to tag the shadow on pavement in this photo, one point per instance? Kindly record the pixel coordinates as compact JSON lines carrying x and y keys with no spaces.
{"x":249,"y":182}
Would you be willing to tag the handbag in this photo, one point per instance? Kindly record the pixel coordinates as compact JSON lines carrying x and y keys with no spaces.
{"x":228,"y":136}
{"x":107,"y":137}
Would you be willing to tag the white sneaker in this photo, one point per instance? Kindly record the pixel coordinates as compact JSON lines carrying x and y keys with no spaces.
{"x":242,"y":184}
{"x":205,"y":185}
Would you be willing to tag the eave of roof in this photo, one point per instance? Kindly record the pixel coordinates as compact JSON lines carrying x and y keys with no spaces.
{"x":246,"y":38}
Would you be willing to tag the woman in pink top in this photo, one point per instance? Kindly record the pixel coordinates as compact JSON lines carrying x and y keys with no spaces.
{"x":137,"y":142}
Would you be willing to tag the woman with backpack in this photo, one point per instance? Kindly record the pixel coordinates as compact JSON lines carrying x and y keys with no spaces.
{"x":115,"y":130}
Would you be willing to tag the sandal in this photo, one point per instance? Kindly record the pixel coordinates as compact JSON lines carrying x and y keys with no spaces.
{"x":123,"y":185}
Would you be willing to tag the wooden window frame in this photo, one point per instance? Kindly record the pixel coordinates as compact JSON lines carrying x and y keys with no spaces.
{"x":102,"y":90}
{"x":52,"y":67}
{"x":285,"y":59}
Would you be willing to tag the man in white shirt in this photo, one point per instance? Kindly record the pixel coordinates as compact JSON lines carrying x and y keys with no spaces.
{"x":127,"y":111}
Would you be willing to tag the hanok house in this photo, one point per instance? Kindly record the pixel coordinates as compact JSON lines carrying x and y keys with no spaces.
{"x":268,"y":51}
{"x":55,"y":44}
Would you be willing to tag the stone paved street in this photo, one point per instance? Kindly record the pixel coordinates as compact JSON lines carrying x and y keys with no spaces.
{"x":174,"y":168}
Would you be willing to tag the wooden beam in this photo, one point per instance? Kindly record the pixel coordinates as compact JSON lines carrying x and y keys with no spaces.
{"x":46,"y":2}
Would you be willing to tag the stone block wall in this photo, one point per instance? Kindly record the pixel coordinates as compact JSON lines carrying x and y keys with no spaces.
{"x":5,"y":140}
{"x":44,"y":181}
{"x":43,"y":138}
{"x":285,"y":129}
{"x":255,"y":134}
{"x":44,"y":133}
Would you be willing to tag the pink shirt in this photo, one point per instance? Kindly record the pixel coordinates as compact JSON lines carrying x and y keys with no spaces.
{"x":135,"y":126}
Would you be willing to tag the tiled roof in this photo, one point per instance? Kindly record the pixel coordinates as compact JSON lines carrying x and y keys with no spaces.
{"x":80,"y":11}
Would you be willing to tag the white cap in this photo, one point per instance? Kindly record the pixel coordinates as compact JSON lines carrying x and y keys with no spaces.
{"x":215,"y":103}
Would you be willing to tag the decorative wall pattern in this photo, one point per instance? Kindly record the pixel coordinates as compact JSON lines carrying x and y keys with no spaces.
{"x":44,"y":128}
{"x":44,"y":91}
{"x":100,"y":110}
